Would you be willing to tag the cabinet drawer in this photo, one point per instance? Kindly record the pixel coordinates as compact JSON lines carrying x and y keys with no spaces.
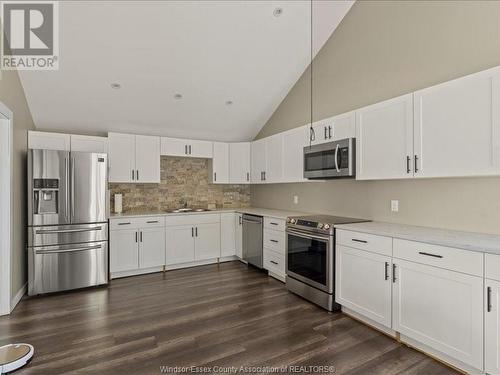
{"x":272,"y":223}
{"x":192,"y":219}
{"x":274,"y":240}
{"x":124,"y":223}
{"x":274,"y":262}
{"x":492,"y":266}
{"x":363,"y":241}
{"x":151,"y":222}
{"x":440,"y":256}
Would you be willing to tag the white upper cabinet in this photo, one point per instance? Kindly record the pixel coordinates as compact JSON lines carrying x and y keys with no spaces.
{"x":259,"y":160}
{"x":49,"y":141}
{"x":86,"y":143}
{"x":134,"y":158}
{"x":186,"y":147}
{"x":384,"y":139}
{"x":333,"y":128}
{"x":457,"y":127}
{"x":294,"y":142}
{"x":220,"y":163}
{"x":147,"y":159}
{"x":274,"y":153}
{"x":239,"y":163}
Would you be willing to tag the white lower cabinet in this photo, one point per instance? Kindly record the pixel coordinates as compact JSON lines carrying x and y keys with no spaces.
{"x":207,"y":241}
{"x":441,"y":309}
{"x":151,"y":247}
{"x":180,"y":244}
{"x":227,"y":234}
{"x":239,"y":235}
{"x":492,"y":327}
{"x":363,"y":283}
{"x":124,"y":250}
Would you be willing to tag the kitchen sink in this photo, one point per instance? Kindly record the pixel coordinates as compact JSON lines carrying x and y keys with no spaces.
{"x":187,"y":209}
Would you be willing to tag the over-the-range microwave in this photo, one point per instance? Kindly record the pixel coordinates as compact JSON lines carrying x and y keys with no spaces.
{"x":330,"y":160}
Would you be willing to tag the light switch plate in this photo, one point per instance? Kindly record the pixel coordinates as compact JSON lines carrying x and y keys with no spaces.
{"x":394,"y":206}
{"x":295,"y":199}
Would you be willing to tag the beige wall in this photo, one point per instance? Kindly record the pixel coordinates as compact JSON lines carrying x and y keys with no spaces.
{"x":381,"y":50}
{"x":12,"y":95}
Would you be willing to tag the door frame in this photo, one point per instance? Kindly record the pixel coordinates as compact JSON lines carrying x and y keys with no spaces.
{"x":6,"y":171}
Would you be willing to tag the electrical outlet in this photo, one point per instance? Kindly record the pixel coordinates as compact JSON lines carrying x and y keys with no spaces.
{"x":295,"y":199}
{"x":394,"y":206}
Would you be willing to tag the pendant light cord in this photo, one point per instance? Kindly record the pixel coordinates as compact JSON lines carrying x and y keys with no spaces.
{"x":312,"y":135}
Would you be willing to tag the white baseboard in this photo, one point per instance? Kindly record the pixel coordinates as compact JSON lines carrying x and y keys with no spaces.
{"x":15,"y":300}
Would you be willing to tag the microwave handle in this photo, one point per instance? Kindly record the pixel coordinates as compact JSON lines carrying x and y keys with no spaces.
{"x":336,"y":159}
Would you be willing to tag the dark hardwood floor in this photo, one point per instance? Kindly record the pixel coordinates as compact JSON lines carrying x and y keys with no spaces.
{"x":216,"y":315}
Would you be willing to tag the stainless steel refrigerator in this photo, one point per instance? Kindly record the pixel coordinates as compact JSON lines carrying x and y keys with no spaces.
{"x":67,"y":220}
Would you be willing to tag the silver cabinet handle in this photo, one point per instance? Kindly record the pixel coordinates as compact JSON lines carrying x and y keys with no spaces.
{"x":415,"y":167}
{"x":141,"y":235}
{"x":488,"y":299}
{"x":430,"y":255}
{"x":133,"y":175}
{"x":393,"y":272}
{"x":135,"y":236}
{"x":196,"y":232}
{"x":192,"y":232}
{"x":215,"y":176}
{"x":190,"y":150}
{"x":185,"y":149}
{"x":127,"y":223}
{"x":408,"y":164}
{"x":151,"y":222}
{"x":273,"y":262}
{"x":275,"y":241}
{"x":329,"y":132}
{"x":54,"y":231}
{"x":239,"y":219}
{"x":336,"y":160}
{"x":248,"y":176}
{"x":356,"y":240}
{"x":68,"y":250}
{"x":325,"y":132}
{"x":264,"y":175}
{"x":386,"y":271}
{"x":137,"y":174}
{"x":273,"y":223}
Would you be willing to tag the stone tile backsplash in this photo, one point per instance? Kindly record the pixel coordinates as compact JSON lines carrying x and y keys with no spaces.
{"x":182,"y":180}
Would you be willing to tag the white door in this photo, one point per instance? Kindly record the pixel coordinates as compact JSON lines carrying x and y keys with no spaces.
{"x":123,"y":250}
{"x":441,"y":309}
{"x":384,"y":140}
{"x":363,"y":283}
{"x":86,"y":143}
{"x":174,"y":146}
{"x":239,"y":235}
{"x":147,"y":159}
{"x":227,"y":234}
{"x":151,"y":247}
{"x":294,"y":142}
{"x":492,"y":327}
{"x":259,"y":160}
{"x":200,"y":149}
{"x":344,"y":126}
{"x":121,"y":157}
{"x":220,"y":163}
{"x":239,"y":163}
{"x":207,"y":241}
{"x":179,"y":244}
{"x":457,"y":128}
{"x":274,"y":153}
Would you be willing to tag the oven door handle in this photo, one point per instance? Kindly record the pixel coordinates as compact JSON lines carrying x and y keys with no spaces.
{"x":307,"y":235}
{"x":336,"y":160}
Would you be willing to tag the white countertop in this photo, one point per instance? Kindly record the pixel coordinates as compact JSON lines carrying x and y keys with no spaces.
{"x":279,"y":214}
{"x":487,"y":243}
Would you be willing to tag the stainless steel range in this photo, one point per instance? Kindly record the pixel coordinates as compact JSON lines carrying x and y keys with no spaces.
{"x":310,"y":257}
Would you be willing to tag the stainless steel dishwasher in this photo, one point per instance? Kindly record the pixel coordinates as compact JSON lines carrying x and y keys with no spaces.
{"x":253,"y":239}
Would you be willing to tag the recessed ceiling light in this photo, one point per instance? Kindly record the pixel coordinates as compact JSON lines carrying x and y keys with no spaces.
{"x":116,"y":86}
{"x":278,"y":12}
{"x":229,"y":102}
{"x":178,"y":96}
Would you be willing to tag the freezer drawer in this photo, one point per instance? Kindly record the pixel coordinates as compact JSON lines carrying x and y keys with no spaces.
{"x":65,"y":267}
{"x":67,"y":234}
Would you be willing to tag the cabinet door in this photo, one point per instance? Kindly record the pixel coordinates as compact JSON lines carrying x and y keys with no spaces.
{"x":384,"y":140}
{"x":492,"y":327}
{"x":121,"y":157}
{"x":86,"y":143}
{"x":259,"y":160}
{"x":179,"y":244}
{"x":363,"y":283}
{"x":200,"y":149}
{"x":123,"y":250}
{"x":151,"y":247}
{"x":457,"y":128}
{"x":239,"y":235}
{"x":344,"y":126}
{"x":294,"y":142}
{"x":207,"y":241}
{"x":147,"y":159}
{"x":319,"y":133}
{"x":239,"y":163}
{"x":220,"y":163}
{"x":274,"y":153}
{"x":174,"y":146}
{"x":441,"y":309}
{"x":49,"y":141}
{"x":227,"y":234}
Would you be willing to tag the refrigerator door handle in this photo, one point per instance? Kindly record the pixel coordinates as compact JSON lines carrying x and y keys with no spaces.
{"x":68,"y":250}
{"x":72,"y":187}
{"x":66,"y":171}
{"x":53,"y":231}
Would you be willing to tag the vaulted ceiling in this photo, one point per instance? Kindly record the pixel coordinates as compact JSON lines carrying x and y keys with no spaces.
{"x":212,"y":53}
